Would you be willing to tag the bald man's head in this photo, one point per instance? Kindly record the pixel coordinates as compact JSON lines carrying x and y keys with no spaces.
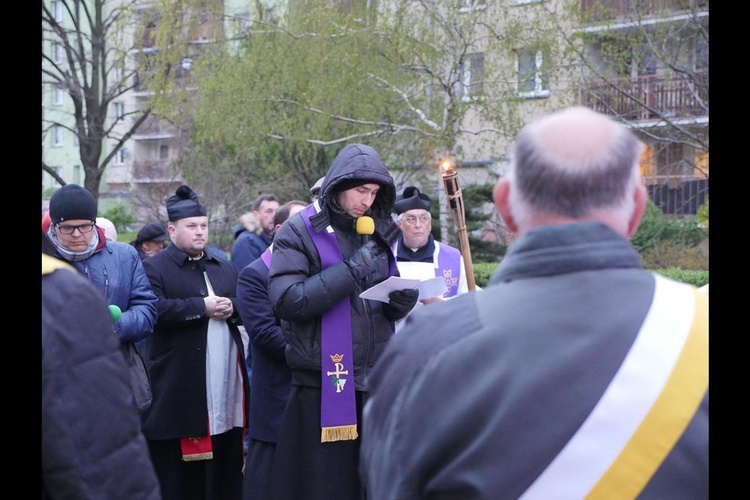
{"x":575,"y":137}
{"x":573,"y":164}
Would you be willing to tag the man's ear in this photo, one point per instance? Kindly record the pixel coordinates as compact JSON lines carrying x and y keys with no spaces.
{"x":501,"y":195}
{"x":640,"y":195}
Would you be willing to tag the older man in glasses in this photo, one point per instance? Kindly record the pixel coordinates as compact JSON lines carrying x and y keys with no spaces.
{"x":417,"y":252}
{"x":114,"y":268}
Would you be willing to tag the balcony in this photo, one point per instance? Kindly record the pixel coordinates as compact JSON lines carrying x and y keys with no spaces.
{"x":155,"y":128}
{"x":649,"y":97}
{"x":608,"y":10}
{"x":677,"y":194}
{"x":153,"y":171}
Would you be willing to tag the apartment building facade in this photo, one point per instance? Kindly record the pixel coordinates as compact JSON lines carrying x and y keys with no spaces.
{"x":644,"y":62}
{"x":652,"y":72}
{"x":141,"y":172}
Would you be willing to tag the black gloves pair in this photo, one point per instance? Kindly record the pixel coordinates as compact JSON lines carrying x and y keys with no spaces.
{"x":402,"y":302}
{"x":364,"y":261}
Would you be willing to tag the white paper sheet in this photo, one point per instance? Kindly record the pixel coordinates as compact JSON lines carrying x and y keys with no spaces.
{"x":433,"y":287}
{"x":416,"y":270}
{"x":428,"y":288}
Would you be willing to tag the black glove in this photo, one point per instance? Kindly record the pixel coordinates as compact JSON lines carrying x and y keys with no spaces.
{"x":388,"y":231}
{"x":364,"y":261}
{"x":401,"y":302}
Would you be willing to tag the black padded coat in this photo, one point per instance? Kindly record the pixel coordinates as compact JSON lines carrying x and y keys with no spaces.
{"x":300,"y":292}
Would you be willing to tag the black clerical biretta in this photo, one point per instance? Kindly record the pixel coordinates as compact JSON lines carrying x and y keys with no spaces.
{"x":411,"y":199}
{"x":184,"y":203}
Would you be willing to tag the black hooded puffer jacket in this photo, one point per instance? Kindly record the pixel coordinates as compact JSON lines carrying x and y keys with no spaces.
{"x":300,"y":292}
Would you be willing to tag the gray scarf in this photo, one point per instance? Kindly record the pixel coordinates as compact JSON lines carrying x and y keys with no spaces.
{"x":73,"y":256}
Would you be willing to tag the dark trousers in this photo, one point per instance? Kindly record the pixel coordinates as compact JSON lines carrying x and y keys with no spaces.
{"x":303,"y":467}
{"x":217,"y":479}
{"x":257,"y":469}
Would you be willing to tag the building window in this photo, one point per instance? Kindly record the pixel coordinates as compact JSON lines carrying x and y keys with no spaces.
{"x":120,"y":157}
{"x":473,"y":75}
{"x":163,"y":151}
{"x":149,"y":35}
{"x":57,"y":50}
{"x":119,"y":111}
{"x":57,"y":136}
{"x":701,"y":55}
{"x":58,"y":94}
{"x":242,"y":21}
{"x":670,"y":159}
{"x":271,"y":16}
{"x":471,"y":5}
{"x":57,"y":10}
{"x":532,"y":80}
{"x":647,"y":64}
{"x":58,"y":171}
{"x":117,"y":75}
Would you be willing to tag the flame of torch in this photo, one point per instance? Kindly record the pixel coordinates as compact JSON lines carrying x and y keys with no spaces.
{"x":454,"y":196}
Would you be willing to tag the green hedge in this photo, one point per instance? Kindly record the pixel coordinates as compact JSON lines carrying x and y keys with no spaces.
{"x":483,"y":271}
{"x":692,"y":276}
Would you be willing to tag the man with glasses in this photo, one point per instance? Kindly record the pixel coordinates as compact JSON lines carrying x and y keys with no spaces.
{"x":114,"y":268}
{"x":417,"y":252}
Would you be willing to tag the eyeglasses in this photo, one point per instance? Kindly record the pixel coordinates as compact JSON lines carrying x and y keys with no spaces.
{"x":411,"y":220}
{"x":82,"y":228}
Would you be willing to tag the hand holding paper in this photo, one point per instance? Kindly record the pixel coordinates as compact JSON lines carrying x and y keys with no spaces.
{"x":428,"y":288}
{"x":402,"y":301}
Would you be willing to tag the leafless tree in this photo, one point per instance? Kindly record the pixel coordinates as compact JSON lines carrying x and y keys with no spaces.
{"x":90,"y":53}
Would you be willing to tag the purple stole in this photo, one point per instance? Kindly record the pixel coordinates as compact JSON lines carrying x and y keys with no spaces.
{"x":338,"y":407}
{"x":449,"y":268}
{"x":266,"y":257}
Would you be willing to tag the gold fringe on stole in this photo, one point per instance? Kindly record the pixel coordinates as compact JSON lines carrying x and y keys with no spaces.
{"x":339,"y":433}
{"x":198,"y":456}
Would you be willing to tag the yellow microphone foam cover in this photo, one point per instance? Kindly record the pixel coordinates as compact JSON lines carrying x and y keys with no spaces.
{"x":365,"y":225}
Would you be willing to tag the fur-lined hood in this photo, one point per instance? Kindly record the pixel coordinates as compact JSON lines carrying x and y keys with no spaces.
{"x":248,"y":222}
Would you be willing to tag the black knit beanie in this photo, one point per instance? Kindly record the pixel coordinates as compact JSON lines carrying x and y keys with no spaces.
{"x":72,"y":202}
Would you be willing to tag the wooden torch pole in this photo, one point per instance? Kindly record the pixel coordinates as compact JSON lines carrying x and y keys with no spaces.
{"x":456,"y":204}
